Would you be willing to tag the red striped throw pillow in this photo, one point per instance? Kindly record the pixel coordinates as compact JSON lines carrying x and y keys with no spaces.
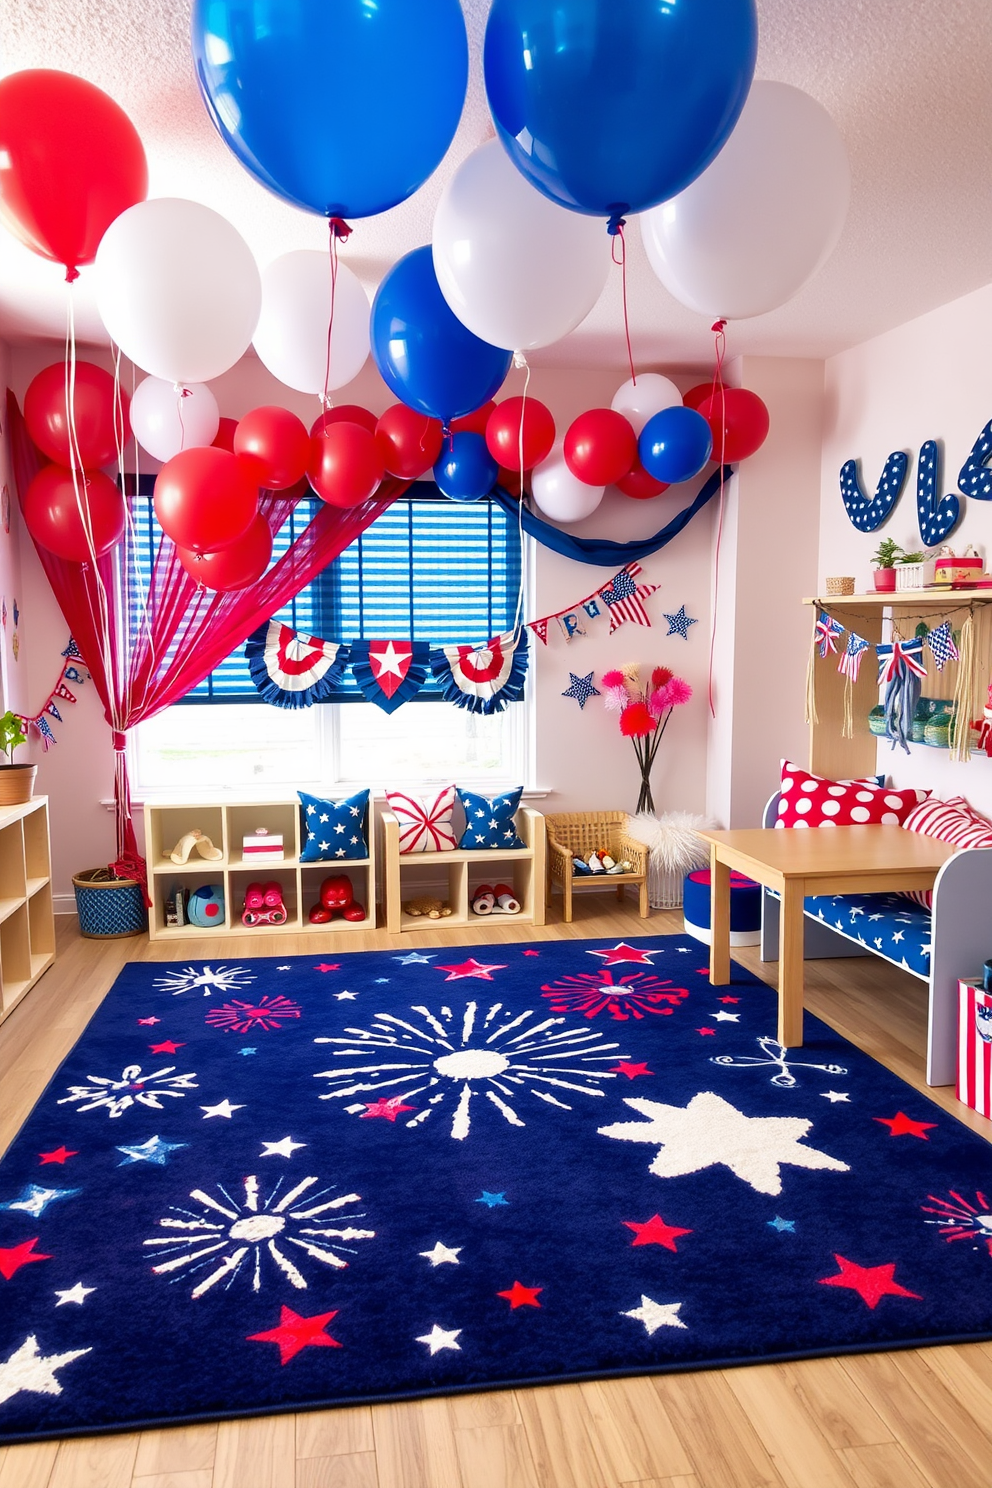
{"x":425,"y":824}
{"x":949,"y":821}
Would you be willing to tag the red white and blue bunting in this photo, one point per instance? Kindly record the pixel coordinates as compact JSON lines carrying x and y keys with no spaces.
{"x":606,"y":608}
{"x":390,"y":673}
{"x":292,"y":670}
{"x":72,"y":671}
{"x":483,"y":679}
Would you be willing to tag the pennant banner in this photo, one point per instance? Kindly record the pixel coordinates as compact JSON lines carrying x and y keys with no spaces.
{"x":827,"y":631}
{"x":850,"y":662}
{"x":619,"y":600}
{"x":292,"y":670}
{"x":390,"y":673}
{"x":483,"y":679}
{"x":76,"y":674}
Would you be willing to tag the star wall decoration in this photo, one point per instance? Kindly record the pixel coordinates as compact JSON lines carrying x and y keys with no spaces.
{"x":581,"y":689}
{"x":678,"y":624}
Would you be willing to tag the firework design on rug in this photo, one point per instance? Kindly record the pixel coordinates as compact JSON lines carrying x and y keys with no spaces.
{"x":205,"y":979}
{"x":133,"y":1088}
{"x":593,"y":992}
{"x":266,"y":1014}
{"x":959,"y":1219}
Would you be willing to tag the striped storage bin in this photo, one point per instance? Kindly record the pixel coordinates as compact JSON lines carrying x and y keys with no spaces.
{"x":109,"y":908}
{"x":975,"y":1047}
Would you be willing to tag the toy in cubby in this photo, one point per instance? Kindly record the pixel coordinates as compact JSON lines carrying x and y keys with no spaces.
{"x":264,"y":905}
{"x":599,"y":862}
{"x":337,"y":896}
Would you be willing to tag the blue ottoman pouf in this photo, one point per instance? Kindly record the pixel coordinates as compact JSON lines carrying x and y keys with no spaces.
{"x":745,"y":908}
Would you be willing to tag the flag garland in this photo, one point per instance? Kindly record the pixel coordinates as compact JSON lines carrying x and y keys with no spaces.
{"x":615,"y":602}
{"x":941,"y":643}
{"x":900,"y":668}
{"x":390,"y":673}
{"x":850,"y":662}
{"x":70,"y":672}
{"x":827,"y":632}
{"x":292,"y":670}
{"x":483,"y":679}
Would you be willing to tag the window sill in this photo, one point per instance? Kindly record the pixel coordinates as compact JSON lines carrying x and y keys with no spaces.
{"x":494,"y":788}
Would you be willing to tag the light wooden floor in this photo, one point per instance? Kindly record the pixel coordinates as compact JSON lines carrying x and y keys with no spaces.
{"x":900,"y":1420}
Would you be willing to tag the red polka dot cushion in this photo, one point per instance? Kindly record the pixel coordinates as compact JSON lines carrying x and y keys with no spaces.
{"x":949,"y":821}
{"x":813,"y":801}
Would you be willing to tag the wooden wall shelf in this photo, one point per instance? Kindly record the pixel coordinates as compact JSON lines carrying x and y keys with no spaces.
{"x":27,"y":924}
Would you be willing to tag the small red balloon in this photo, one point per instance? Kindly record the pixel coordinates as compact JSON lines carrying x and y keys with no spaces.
{"x":503,"y":433}
{"x":409,"y":442}
{"x":243,"y":563}
{"x":72,"y":161}
{"x":474,"y":423}
{"x":276,"y":443}
{"x":225,"y":435}
{"x":52,"y":516}
{"x":348,"y":413}
{"x":205,"y":499}
{"x":600,"y":447}
{"x":700,"y":393}
{"x":638,"y":484}
{"x":739,"y":422}
{"x":47,"y":418}
{"x":345,"y":465}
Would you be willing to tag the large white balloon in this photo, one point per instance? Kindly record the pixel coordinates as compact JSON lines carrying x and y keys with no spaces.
{"x":165,"y":421}
{"x":516,"y":268}
{"x":561,"y":495}
{"x":291,"y":335}
{"x":178,"y":289}
{"x":641,"y":400}
{"x":763,"y":218}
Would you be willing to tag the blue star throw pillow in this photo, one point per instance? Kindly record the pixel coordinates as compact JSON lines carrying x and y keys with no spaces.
{"x":489,"y":823}
{"x":333,"y":830}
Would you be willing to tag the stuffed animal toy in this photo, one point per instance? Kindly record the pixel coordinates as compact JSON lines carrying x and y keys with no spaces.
{"x":180,"y":853}
{"x":336,"y":897}
{"x":263,"y":905}
{"x":433,"y":909}
{"x":205,"y":906}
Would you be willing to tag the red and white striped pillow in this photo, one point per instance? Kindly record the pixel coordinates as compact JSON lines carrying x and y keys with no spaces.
{"x":951,"y":821}
{"x":425,"y":825}
{"x":813,"y":801}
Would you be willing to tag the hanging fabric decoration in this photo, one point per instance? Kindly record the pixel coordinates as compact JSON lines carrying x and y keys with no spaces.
{"x":624,"y":597}
{"x":849,"y":667}
{"x":390,"y":672}
{"x":483,"y":679}
{"x":827,"y":632}
{"x":901,"y":669}
{"x":619,"y":600}
{"x":540,"y":629}
{"x":292,"y":670}
{"x":40,"y":722}
{"x":941,"y":643}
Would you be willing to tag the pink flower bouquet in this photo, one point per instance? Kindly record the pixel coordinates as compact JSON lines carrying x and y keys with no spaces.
{"x":644,"y":713}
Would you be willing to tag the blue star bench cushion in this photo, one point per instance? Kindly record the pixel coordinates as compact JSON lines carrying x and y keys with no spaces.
{"x":490,"y":822}
{"x":333,"y":830}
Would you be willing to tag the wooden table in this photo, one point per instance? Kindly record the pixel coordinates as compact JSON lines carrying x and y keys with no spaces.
{"x":839,"y":860}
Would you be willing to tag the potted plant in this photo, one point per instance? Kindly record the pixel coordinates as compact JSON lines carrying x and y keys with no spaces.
{"x":912,"y":572}
{"x":885,"y":558}
{"x":16,"y":781}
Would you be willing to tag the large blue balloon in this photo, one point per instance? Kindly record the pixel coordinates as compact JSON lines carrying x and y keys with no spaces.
{"x":466,"y":471}
{"x":611,"y":106}
{"x":675,"y":444}
{"x":342,"y":107}
{"x":425,"y":355}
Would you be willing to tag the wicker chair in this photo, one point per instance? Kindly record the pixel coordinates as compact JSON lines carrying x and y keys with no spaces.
{"x":579,"y":833}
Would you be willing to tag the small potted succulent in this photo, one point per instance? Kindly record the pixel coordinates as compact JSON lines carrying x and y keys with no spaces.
{"x":16,"y":780}
{"x":885,"y":558}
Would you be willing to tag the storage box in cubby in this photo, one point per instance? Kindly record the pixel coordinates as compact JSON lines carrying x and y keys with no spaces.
{"x":169,"y":823}
{"x":281,"y":819}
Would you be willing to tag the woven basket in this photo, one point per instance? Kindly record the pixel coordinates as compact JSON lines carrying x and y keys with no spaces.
{"x":109,"y":908}
{"x":840,"y":586}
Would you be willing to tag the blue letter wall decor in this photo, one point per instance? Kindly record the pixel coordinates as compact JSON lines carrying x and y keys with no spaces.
{"x":867,"y":515}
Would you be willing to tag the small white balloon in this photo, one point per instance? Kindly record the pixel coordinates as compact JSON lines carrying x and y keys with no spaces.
{"x":561,"y":495}
{"x":178,"y":289}
{"x":167,"y":420}
{"x":641,"y":400}
{"x":291,"y":335}
{"x":517,"y":269}
{"x":763,"y":218}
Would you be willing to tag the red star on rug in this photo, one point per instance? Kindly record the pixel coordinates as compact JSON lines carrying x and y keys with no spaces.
{"x":521,"y":1296}
{"x":148,"y":1022}
{"x":470,"y":968}
{"x":325,"y":967}
{"x":166,"y":1047}
{"x":707,"y":1032}
{"x":624,"y":952}
{"x":871,"y":1283}
{"x":702,"y":971}
{"x":532,"y":953}
{"x":901,"y":1125}
{"x":57,"y":1155}
{"x":295,"y":1333}
{"x":389,"y":1106}
{"x":630,"y":1070}
{"x":655,"y":1232}
{"x":728,"y":999}
{"x":16,"y":1256}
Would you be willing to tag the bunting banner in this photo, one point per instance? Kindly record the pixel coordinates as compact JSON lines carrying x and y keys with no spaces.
{"x":77,"y":674}
{"x":899,"y":659}
{"x":483,"y":679}
{"x":827,"y":632}
{"x":292,"y":670}
{"x":390,"y":673}
{"x":941,"y":643}
{"x":607,"y":607}
{"x":850,"y":661}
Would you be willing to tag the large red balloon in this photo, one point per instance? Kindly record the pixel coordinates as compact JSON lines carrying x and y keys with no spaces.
{"x":70,"y":162}
{"x":700,"y":393}
{"x":277,"y":445}
{"x":52,"y":515}
{"x":409,"y":442}
{"x":739,"y":421}
{"x":47,"y":418}
{"x":348,"y":413}
{"x":205,"y":499}
{"x":474,"y":423}
{"x":224,"y":438}
{"x":503,"y":433}
{"x":345,"y":465}
{"x":638,"y":484}
{"x":243,"y":563}
{"x":600,"y":447}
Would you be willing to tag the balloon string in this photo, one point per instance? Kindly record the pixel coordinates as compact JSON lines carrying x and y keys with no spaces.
{"x":520,"y":360}
{"x":615,"y":230}
{"x":337,"y":229}
{"x":720,"y":349}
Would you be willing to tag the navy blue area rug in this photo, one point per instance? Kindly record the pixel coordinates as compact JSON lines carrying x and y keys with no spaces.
{"x":279,"y":1184}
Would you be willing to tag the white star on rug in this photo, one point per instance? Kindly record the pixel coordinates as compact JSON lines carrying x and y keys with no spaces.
{"x":285,"y":1148}
{"x":655,"y":1315}
{"x":414,"y":957}
{"x":345,"y":996}
{"x":442,"y":1254}
{"x":722,"y":1017}
{"x":27,"y":1369}
{"x":78,"y":1293}
{"x":833,"y":1096}
{"x":437,"y":1339}
{"x":710,"y":1131}
{"x":223,"y":1108}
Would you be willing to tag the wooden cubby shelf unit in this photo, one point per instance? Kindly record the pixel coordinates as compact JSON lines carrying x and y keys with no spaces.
{"x":226,"y":825}
{"x":463,"y":871}
{"x":27,"y":924}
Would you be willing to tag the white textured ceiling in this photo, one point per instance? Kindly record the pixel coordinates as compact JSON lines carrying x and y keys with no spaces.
{"x":907,"y":81}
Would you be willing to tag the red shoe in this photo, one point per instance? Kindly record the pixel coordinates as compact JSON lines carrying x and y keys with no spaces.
{"x":254,"y":904}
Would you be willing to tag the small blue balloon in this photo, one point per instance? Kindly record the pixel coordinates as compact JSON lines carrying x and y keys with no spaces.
{"x":425,"y":355}
{"x":675,"y":444}
{"x":308,"y":94}
{"x":466,"y":470}
{"x":613,"y":107}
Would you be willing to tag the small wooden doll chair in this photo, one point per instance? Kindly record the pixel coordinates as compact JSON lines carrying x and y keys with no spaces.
{"x":576,"y":834}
